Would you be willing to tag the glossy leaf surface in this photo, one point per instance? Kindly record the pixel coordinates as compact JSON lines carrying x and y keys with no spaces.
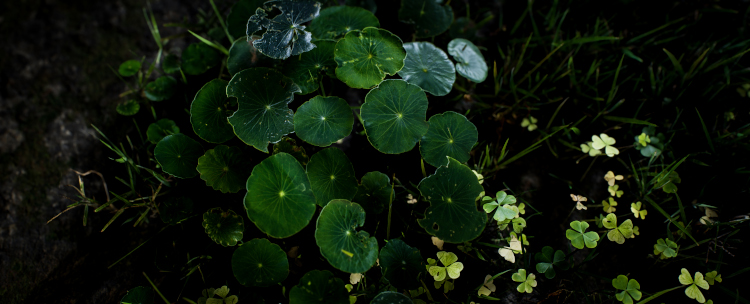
{"x":208,"y":112}
{"x":178,"y":155}
{"x":331,"y":176}
{"x":401,"y":264}
{"x":394,"y":116}
{"x":340,"y":243}
{"x":285,"y":35}
{"x":334,"y":22}
{"x":319,"y":287}
{"x":469,"y":60}
{"x":450,"y":134}
{"x":224,"y":168}
{"x":429,"y":68}
{"x":308,"y":68}
{"x":223,"y":227}
{"x":322,"y":121}
{"x":365,"y":57}
{"x":259,"y":263}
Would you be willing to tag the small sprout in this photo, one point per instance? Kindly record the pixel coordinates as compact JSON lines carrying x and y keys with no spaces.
{"x":410,"y":199}
{"x":617,"y":234}
{"x":479,"y":176}
{"x":437,"y":242}
{"x":609,"y":207}
{"x":610,"y":177}
{"x":589,"y":148}
{"x":613,"y":191}
{"x":605,"y":142}
{"x":579,"y":237}
{"x":644,"y":139}
{"x":713,"y":277}
{"x":636,"y":209}
{"x":487,"y":287}
{"x":504,"y":205}
{"x":665,"y":248}
{"x":630,"y":289}
{"x":451,"y":266}
{"x":354,"y":278}
{"x":527,"y":282}
{"x":692,"y":291}
{"x":530,"y":123}
{"x":578,"y":199}
{"x":514,"y":245}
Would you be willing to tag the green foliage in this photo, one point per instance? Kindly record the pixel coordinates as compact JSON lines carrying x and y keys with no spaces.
{"x":365,"y":57}
{"x":160,"y":89}
{"x":429,"y":17}
{"x":308,"y":68}
{"x":224,"y":168}
{"x":209,"y":111}
{"x":546,"y":260}
{"x":223,"y":227}
{"x":450,"y":135}
{"x":452,"y":191}
{"x":322,"y":121}
{"x":469,"y":60}
{"x":527,"y":281}
{"x":394,"y":116}
{"x":429,"y":68}
{"x":198,"y":58}
{"x":129,"y":68}
{"x":285,"y":35}
{"x":161,"y":128}
{"x":178,"y":155}
{"x":374,"y":192}
{"x":259,"y":263}
{"x":319,"y":287}
{"x":617,"y":234}
{"x":222,"y":296}
{"x":331,"y":176}
{"x":630,"y":289}
{"x":579,"y":237}
{"x":401,"y":264}
{"x":665,"y":248}
{"x":128,"y":108}
{"x":346,"y":249}
{"x":238,"y":16}
{"x":334,"y":22}
{"x":451,"y":266}
{"x":698,"y":281}
{"x":244,"y":55}
{"x":504,"y":204}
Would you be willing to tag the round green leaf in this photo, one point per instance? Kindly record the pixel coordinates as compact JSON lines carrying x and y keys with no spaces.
{"x":198,"y":58}
{"x":391,"y":297}
{"x":450,"y":134}
{"x":223,"y":227}
{"x":171,"y":64}
{"x":243,"y":55}
{"x":401,"y":264}
{"x":307,"y":69}
{"x":340,"y":243}
{"x":469,"y":60}
{"x":224,"y":168}
{"x":428,"y":67}
{"x":319,"y":287}
{"x":263,"y":96}
{"x":285,"y":35}
{"x":178,"y":155}
{"x":279,"y":200}
{"x":452,"y":192}
{"x":365,"y":57}
{"x":237,"y":18}
{"x":259,"y":263}
{"x":139,"y":295}
{"x":322,"y":121}
{"x":394,"y":116}
{"x":334,"y":22}
{"x":128,"y":108}
{"x":175,"y":210}
{"x":161,"y":128}
{"x":129,"y":68}
{"x":160,"y":89}
{"x":208,"y":113}
{"x":331,"y":176}
{"x":374,"y":191}
{"x":428,"y":16}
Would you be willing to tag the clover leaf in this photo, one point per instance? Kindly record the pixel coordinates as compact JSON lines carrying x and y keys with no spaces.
{"x":649,"y":143}
{"x":487,"y":287}
{"x":617,"y":234}
{"x":630,"y":289}
{"x":504,"y":205}
{"x":603,"y":141}
{"x":692,"y":291}
{"x":527,"y":282}
{"x":285,"y":35}
{"x":665,"y":248}
{"x":614,"y":191}
{"x":529,"y":123}
{"x":713,"y":277}
{"x":508,"y":253}
{"x":610,"y":177}
{"x":609,"y":206}
{"x":547,"y":259}
{"x":636,"y":209}
{"x":589,"y":148}
{"x":579,"y":237}
{"x":451,"y":266}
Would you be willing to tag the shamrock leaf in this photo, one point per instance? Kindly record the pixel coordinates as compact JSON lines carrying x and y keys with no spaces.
{"x":713,"y":277}
{"x":636,"y":209}
{"x":487,"y":287}
{"x":610,"y":177}
{"x":630,"y":289}
{"x":546,"y":260}
{"x":530,"y":123}
{"x":503,"y":204}
{"x":527,"y":282}
{"x":613,"y":191}
{"x":578,"y":199}
{"x":609,"y":207}
{"x":644,"y":139}
{"x":589,"y":148}
{"x":451,"y":266}
{"x":518,"y":224}
{"x":617,"y":234}
{"x":692,"y":291}
{"x":579,"y":237}
{"x":606,"y":142}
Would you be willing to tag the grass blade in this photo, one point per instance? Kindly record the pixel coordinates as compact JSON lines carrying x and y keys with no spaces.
{"x":629,"y":120}
{"x":219,"y":47}
{"x":675,"y":62}
{"x":705,"y":131}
